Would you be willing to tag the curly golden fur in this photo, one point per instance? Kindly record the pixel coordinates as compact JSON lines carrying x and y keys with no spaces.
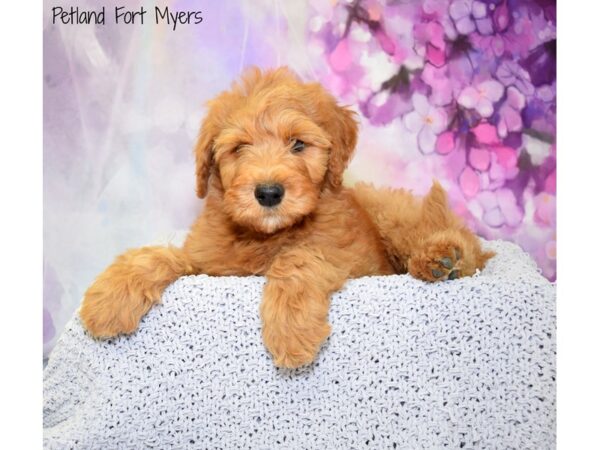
{"x":272,"y":129}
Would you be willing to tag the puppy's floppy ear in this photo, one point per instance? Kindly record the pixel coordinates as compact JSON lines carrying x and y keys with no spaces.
{"x":204,"y":154}
{"x":340,"y":123}
{"x":343,"y":129}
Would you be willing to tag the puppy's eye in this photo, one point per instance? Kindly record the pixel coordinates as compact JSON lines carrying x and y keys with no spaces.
{"x":297,"y":145}
{"x":239,"y":148}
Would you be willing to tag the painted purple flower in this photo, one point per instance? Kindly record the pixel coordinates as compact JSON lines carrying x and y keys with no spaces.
{"x":448,"y":81}
{"x":490,"y":17}
{"x":430,"y":35}
{"x":435,"y":7}
{"x":500,"y":207}
{"x":427,"y":121}
{"x":495,"y":161}
{"x":501,"y":16}
{"x":492,"y":45}
{"x":510,"y":112}
{"x":446,"y":142}
{"x":469,"y":182}
{"x":441,"y":85}
{"x":503,"y":165}
{"x":460,"y":11}
{"x":479,"y":158}
{"x":482,"y":97}
{"x":510,"y":73}
{"x":485,"y":17}
{"x":483,"y":21}
{"x":485,"y":134}
{"x":513,"y":32}
{"x":437,"y":10}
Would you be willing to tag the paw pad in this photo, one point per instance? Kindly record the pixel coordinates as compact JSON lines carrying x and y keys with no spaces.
{"x":437,"y":273}
{"x":447,"y":263}
{"x":447,"y":267}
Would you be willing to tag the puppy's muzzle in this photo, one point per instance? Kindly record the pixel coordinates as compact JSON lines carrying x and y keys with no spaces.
{"x":269,"y":194}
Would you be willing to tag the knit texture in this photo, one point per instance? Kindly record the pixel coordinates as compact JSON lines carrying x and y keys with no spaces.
{"x":468,"y":363}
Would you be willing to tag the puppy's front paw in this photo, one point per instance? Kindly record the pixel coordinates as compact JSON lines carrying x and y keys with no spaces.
{"x":293,"y":347}
{"x":110,"y":307}
{"x":436,"y":261}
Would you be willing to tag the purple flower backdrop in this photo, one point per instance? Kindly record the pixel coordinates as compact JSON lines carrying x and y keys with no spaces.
{"x":458,"y":90}
{"x":475,"y":82}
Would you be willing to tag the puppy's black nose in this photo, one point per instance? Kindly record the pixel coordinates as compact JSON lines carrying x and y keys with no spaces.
{"x":269,"y":194}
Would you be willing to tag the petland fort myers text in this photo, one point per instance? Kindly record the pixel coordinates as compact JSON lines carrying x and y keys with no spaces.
{"x":125,"y":16}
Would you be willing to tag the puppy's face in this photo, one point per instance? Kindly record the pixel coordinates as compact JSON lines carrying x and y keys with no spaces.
{"x":271,"y":145}
{"x":272,"y":167}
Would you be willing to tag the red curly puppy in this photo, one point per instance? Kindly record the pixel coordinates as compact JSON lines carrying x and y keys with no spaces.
{"x":270,"y":160}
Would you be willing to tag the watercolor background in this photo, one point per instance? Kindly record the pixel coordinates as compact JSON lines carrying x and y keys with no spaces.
{"x":458,"y":90}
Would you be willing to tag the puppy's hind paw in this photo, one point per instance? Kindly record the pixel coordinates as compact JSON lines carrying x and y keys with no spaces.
{"x":438,"y":261}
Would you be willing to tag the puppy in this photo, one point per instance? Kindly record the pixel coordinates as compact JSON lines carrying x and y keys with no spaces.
{"x":269,"y":160}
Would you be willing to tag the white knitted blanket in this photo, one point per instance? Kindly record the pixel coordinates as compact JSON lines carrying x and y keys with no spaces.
{"x":468,"y":363}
